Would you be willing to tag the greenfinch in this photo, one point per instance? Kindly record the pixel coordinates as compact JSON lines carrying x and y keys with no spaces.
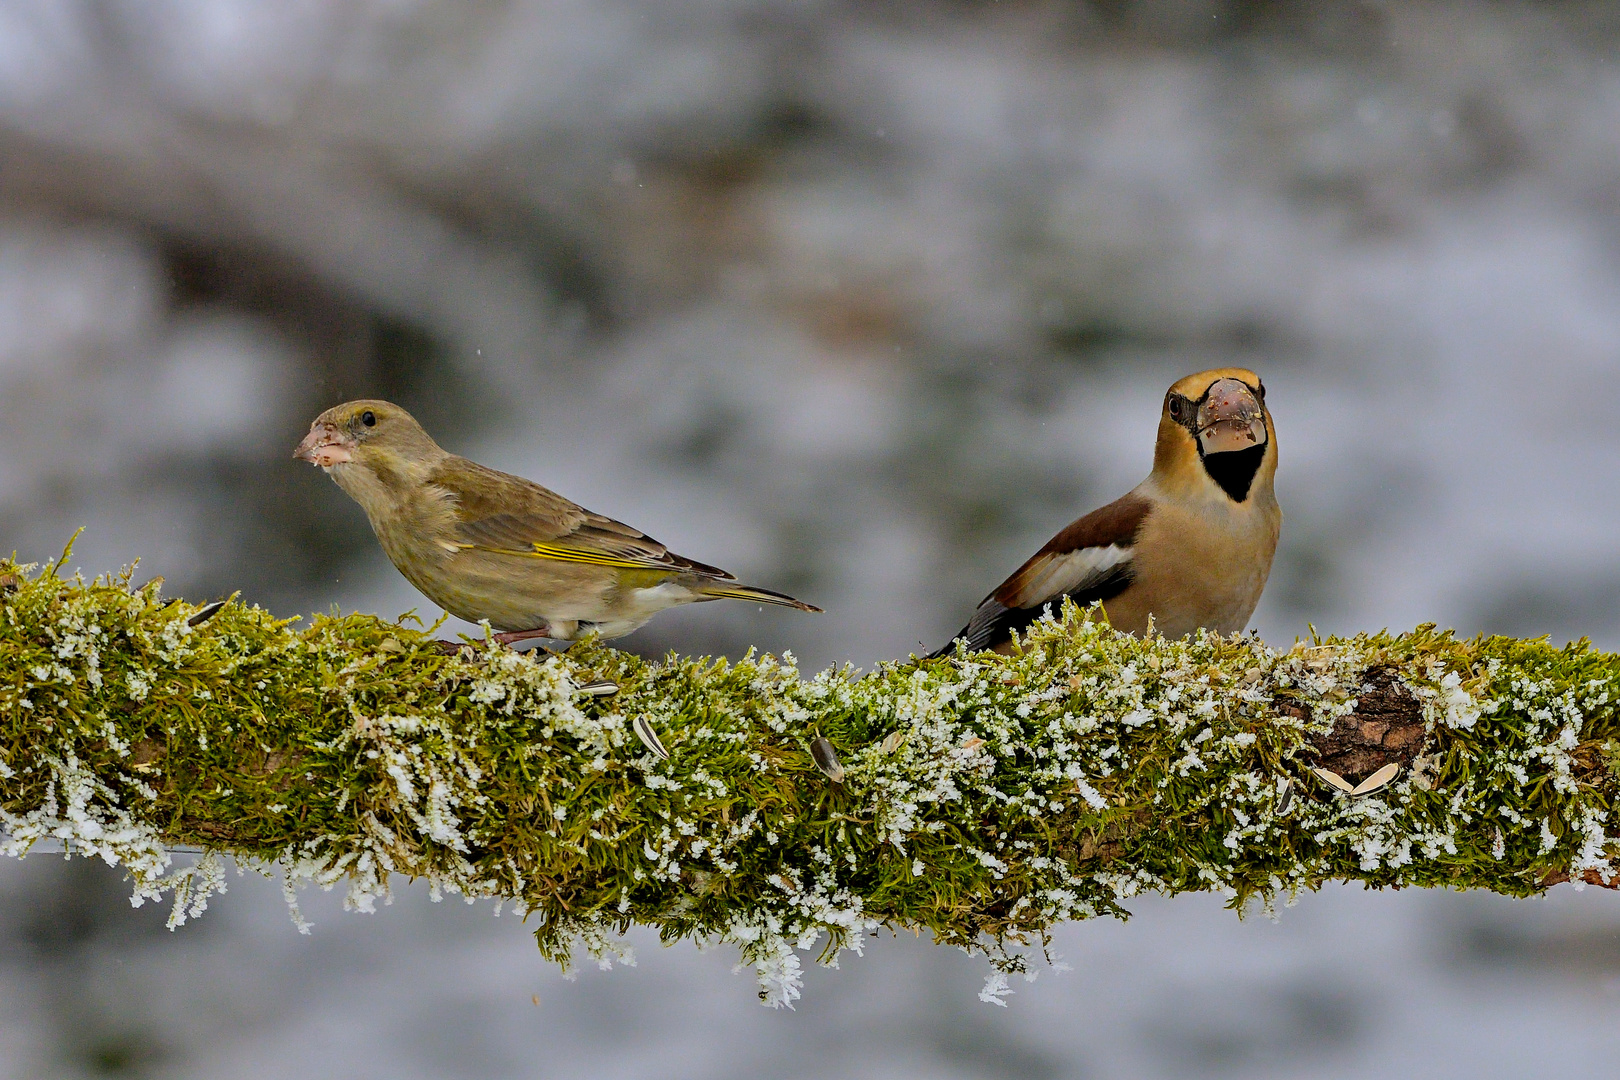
{"x":1190,"y":547}
{"x":486,"y":545}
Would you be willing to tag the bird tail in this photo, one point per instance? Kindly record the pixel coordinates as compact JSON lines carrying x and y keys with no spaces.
{"x":728,"y":591}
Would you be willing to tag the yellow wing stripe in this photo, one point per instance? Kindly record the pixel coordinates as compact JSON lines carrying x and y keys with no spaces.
{"x":599,"y":558}
{"x":577,"y":555}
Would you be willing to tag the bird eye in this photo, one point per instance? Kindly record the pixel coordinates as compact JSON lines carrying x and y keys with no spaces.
{"x":368,"y":418}
{"x":1262,"y":391}
{"x":1175,"y":404}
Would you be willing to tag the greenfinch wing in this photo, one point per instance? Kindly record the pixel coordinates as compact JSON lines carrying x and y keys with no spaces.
{"x":509,"y":515}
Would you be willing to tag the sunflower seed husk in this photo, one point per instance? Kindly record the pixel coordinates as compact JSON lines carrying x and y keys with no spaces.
{"x":206,"y":612}
{"x":648,"y":737}
{"x":826,"y":759}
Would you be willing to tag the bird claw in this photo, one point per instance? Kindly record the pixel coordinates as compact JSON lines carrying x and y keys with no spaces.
{"x":512,"y":637}
{"x":451,"y":648}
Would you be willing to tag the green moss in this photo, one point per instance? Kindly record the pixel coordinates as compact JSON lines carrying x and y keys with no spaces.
{"x":986,"y":798}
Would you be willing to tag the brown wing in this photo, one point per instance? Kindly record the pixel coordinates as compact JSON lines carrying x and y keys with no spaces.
{"x":507,"y":514}
{"x":1087,"y":562}
{"x":1081,"y":554}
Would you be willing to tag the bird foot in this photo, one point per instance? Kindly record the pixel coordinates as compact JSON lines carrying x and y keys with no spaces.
{"x":511,"y":637}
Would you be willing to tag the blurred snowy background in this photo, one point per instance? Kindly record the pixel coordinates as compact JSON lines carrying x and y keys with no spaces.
{"x":861,"y":300}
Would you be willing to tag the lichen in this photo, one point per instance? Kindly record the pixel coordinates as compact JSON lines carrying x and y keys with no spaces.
{"x":985,"y":798}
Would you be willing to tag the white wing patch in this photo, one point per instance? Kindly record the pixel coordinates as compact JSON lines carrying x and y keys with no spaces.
{"x":1074,"y":570}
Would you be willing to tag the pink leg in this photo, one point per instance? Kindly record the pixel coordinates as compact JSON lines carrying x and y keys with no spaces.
{"x":512,"y":636}
{"x":506,"y":637}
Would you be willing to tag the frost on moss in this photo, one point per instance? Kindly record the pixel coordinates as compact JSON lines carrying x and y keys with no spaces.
{"x":985,"y":798}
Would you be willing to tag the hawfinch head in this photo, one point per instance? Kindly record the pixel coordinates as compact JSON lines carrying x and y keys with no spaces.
{"x":1215,"y":428}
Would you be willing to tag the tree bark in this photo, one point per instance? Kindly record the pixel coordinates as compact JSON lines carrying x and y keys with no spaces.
{"x":983,"y":798}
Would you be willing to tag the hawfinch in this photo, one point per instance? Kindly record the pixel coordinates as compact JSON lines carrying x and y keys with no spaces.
{"x":487,"y":545}
{"x":1188,"y":548}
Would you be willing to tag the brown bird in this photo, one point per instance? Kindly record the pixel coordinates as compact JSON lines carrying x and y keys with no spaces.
{"x":487,"y":545}
{"x":1190,"y":547}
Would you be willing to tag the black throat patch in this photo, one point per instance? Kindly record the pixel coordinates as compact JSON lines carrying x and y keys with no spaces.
{"x":1235,"y":469}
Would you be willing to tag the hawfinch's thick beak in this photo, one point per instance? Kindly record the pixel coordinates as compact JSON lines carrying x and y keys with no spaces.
{"x":325,"y":446}
{"x":1230,"y":418}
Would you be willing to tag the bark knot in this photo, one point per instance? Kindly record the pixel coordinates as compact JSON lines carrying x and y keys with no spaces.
{"x":1386,"y":726}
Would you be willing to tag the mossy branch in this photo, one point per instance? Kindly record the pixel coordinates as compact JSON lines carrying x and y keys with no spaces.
{"x":984,"y":798}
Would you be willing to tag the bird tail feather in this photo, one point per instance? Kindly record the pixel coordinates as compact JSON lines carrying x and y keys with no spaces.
{"x":728,"y":591}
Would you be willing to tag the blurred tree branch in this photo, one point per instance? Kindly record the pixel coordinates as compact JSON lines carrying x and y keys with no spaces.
{"x":983,"y":798}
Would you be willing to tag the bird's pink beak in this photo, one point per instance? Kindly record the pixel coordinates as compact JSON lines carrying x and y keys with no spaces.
{"x":325,"y":446}
{"x":1230,"y":418}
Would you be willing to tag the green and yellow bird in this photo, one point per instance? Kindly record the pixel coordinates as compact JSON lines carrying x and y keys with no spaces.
{"x":484,"y":544}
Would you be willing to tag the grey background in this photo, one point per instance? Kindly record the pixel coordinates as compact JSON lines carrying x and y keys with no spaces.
{"x":862,"y":301}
